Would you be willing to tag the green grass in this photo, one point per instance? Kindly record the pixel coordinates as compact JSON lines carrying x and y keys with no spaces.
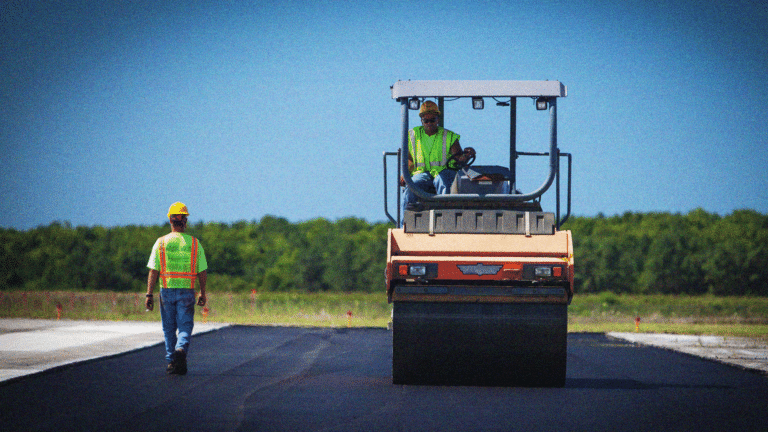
{"x":677,"y":314}
{"x":725,"y":316}
{"x":299,"y":309}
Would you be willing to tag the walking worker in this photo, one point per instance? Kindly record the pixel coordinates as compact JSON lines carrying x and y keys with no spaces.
{"x":432,"y":146}
{"x":178,"y":261}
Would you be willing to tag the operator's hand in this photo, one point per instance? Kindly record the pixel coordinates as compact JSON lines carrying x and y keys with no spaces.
{"x":402,"y":181}
{"x":202,"y":300}
{"x":149,"y":302}
{"x":466,"y":154}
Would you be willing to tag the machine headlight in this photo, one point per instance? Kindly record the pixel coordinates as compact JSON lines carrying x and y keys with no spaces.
{"x":541,"y":103}
{"x":418,"y":270}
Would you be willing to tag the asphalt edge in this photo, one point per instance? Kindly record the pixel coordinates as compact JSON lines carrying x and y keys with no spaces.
{"x":642,"y":339}
{"x":62,"y":366}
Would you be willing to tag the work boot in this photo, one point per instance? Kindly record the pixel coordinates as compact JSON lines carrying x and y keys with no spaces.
{"x":416,"y":207}
{"x":171,"y":369}
{"x":180,"y":360}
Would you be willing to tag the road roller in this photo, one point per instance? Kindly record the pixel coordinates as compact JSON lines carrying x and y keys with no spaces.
{"x":479,"y":277}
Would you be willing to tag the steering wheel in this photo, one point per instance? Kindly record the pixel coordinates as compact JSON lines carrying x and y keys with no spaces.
{"x":457,"y":163}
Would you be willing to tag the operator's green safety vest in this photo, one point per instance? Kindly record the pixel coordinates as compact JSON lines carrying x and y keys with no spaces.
{"x":179,"y":258}
{"x":430,"y":153}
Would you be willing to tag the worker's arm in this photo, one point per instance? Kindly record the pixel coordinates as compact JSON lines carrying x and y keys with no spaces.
{"x":410,"y":169}
{"x":149,"y":302}
{"x":202,"y":277}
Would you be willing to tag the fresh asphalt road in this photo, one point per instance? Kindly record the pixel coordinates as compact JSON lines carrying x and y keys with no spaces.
{"x":313,"y":379}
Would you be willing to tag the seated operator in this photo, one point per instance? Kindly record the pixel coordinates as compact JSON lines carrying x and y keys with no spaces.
{"x":432,"y":145}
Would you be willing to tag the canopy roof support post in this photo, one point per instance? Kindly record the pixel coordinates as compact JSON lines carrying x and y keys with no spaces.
{"x":441,"y":107}
{"x":513,"y":144}
{"x":554,"y":156}
{"x":403,"y":158}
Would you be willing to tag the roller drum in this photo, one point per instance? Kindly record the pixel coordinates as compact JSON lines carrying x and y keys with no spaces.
{"x":488,"y":344}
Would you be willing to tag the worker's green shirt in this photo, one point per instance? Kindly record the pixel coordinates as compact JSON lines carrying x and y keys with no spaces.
{"x":172,"y":257}
{"x":430,"y":153}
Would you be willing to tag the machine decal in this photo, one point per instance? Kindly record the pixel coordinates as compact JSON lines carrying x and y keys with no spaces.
{"x":479,"y":269}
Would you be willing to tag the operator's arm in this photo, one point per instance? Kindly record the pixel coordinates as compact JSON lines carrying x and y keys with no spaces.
{"x":410,"y":169}
{"x":151,"y":283}
{"x":465,"y":154}
{"x":202,"y":277}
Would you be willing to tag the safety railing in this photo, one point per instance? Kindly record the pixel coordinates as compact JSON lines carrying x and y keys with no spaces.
{"x":560,"y":222}
{"x":386,"y":194}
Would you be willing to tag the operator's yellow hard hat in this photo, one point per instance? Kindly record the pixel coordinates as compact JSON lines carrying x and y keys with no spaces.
{"x":429,"y":107}
{"x":178,"y":208}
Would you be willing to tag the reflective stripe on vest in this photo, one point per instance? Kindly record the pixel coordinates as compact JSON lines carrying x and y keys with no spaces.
{"x":191,"y":275}
{"x":444,"y":160}
{"x":418,"y":153}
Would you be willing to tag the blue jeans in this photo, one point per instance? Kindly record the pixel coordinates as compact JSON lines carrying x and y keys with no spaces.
{"x":177,"y":311}
{"x":440,"y":184}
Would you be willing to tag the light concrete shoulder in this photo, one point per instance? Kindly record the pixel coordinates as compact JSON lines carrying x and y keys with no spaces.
{"x":748,"y":353}
{"x":29,"y":346}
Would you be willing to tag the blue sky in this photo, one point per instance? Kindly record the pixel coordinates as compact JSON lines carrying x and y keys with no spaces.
{"x":111,"y":111}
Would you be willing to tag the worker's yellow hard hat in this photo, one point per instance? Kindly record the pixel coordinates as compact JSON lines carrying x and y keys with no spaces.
{"x":429,"y":107}
{"x":178,"y":208}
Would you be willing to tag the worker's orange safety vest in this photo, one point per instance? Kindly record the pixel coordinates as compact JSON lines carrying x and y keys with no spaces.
{"x":191,"y":274}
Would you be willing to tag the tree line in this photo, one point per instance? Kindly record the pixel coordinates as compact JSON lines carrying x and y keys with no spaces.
{"x":658,"y":253}
{"x":694,"y":253}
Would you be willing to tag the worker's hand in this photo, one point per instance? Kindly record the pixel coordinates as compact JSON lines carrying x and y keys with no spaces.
{"x":149,"y":302}
{"x":465,"y":155}
{"x":202,"y":300}
{"x":402,"y":181}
